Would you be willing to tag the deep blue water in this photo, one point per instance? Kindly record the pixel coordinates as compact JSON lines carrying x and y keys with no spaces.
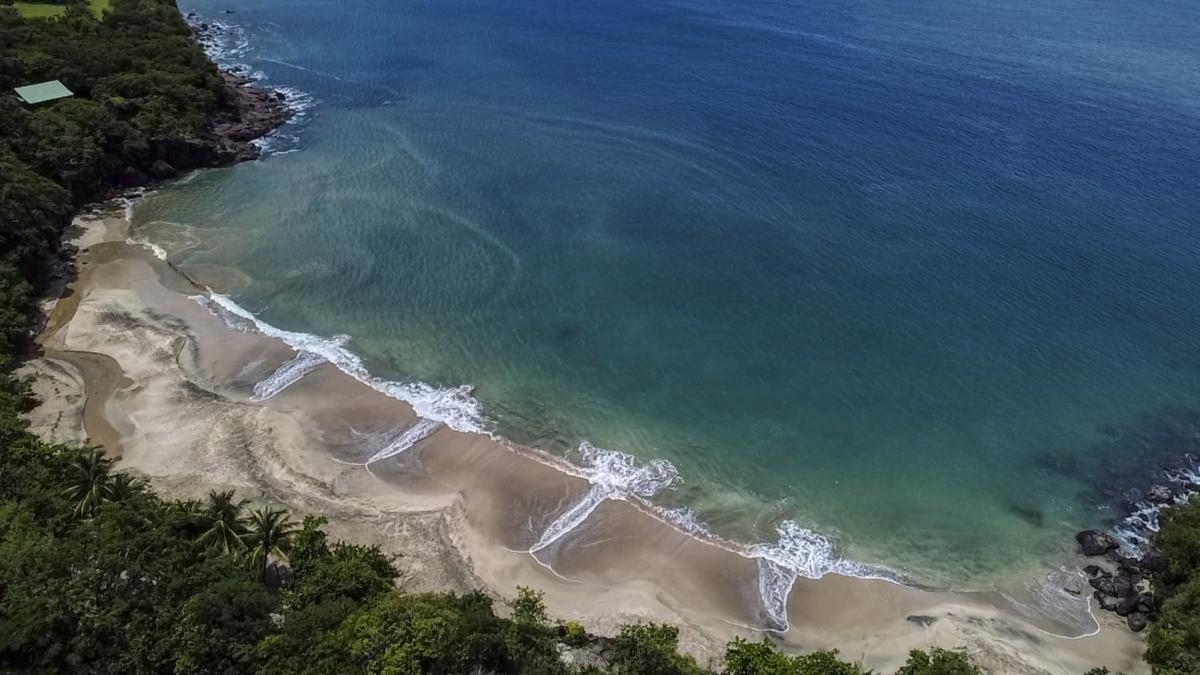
{"x":895,"y":270}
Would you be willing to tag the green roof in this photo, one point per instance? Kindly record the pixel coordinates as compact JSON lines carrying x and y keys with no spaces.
{"x":42,"y":92}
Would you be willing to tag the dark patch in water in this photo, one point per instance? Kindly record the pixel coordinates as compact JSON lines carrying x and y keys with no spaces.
{"x":1062,"y":465}
{"x":566,"y":333}
{"x":1031,"y":516}
{"x":1137,"y":455}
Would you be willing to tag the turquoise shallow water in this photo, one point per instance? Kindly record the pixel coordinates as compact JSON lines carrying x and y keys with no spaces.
{"x":909,"y":276}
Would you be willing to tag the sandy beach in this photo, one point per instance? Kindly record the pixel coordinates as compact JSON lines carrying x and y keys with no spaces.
{"x":133,"y":363}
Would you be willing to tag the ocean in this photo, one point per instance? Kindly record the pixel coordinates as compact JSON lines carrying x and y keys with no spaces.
{"x":913,"y":284}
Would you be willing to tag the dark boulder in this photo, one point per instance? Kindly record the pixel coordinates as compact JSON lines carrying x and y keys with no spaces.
{"x":1103,"y":584}
{"x":1095,"y":542}
{"x":1123,"y":587}
{"x":1137,"y":622}
{"x":1092,"y":570}
{"x":1130,"y":566}
{"x":1126,"y":606}
{"x":1106,"y":602}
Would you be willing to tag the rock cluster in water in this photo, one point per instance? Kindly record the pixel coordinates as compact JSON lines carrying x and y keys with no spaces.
{"x":1122,"y":582}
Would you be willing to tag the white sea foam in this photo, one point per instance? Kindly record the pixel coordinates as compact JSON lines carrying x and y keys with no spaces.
{"x":800,"y":552}
{"x":158,"y":251}
{"x":454,"y":407}
{"x":686,"y":520}
{"x":422,"y":429}
{"x":1136,"y":529}
{"x":613,"y":475}
{"x":287,"y":374}
{"x":228,"y":45}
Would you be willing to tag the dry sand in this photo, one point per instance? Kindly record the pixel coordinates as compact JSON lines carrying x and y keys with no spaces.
{"x":136,"y":366}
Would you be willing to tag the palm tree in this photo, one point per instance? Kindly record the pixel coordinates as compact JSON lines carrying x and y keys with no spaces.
{"x":269,"y":536}
{"x":90,"y":482}
{"x":222,"y":523}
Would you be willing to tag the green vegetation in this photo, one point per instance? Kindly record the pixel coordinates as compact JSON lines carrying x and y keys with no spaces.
{"x":939,"y":662}
{"x":141,"y":84}
{"x":1173,"y":644}
{"x":43,"y":10}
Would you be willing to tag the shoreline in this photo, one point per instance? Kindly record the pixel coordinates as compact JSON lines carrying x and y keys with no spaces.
{"x":464,"y":507}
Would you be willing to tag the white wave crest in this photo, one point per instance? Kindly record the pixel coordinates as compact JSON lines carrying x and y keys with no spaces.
{"x":423,"y":428}
{"x":613,"y":475}
{"x":454,"y":407}
{"x":1135,"y":531}
{"x":800,"y":552}
{"x":287,"y":374}
{"x":686,"y":520}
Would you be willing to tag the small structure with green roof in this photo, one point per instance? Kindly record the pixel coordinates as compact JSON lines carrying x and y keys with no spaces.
{"x":42,"y":92}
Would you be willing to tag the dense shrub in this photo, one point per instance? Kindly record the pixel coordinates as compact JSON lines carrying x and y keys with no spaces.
{"x":1173,"y":644}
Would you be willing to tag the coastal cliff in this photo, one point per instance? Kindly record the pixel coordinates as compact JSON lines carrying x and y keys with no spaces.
{"x":244,"y":113}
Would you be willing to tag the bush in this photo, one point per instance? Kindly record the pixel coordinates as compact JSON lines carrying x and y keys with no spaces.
{"x":761,"y":658}
{"x":939,"y":662}
{"x":1173,"y":642}
{"x":650,"y":649}
{"x":575,"y":634}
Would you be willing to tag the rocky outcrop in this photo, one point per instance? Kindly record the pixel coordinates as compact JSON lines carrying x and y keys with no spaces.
{"x":1124,"y":591}
{"x":249,"y":113}
{"x":1160,"y":495}
{"x":244,"y":114}
{"x":1095,"y":542}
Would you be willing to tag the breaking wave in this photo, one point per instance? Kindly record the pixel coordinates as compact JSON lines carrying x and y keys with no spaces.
{"x":454,"y":407}
{"x":613,"y":475}
{"x":1143,"y":520}
{"x":799,"y":552}
{"x":287,"y":375}
{"x":422,"y":429}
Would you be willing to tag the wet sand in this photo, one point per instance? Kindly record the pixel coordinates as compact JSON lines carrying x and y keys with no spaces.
{"x":134,"y":364}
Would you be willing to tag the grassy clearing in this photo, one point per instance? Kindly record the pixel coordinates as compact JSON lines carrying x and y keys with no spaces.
{"x":38,"y":10}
